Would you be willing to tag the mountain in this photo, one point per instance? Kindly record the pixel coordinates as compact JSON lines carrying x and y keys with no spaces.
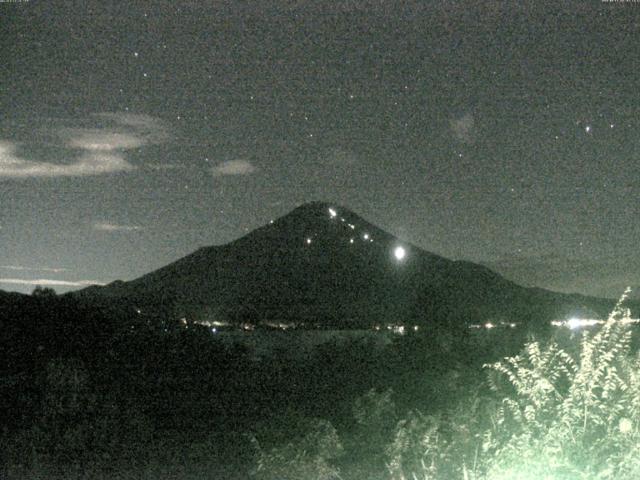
{"x":323,"y":264}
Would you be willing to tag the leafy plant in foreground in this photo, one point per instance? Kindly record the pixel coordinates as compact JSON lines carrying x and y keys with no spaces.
{"x":565,"y":417}
{"x":309,"y":458}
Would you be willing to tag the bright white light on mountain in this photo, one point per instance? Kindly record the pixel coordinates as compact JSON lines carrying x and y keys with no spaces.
{"x":333,"y":213}
{"x":308,"y":241}
{"x":366,"y":236}
{"x":399,"y":253}
{"x":351,"y":241}
{"x":352,"y":227}
{"x":489,"y":325}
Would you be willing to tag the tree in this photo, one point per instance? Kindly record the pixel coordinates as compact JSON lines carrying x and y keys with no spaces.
{"x":43,"y":292}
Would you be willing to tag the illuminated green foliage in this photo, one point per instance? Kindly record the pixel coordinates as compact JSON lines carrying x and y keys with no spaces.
{"x":564,"y":417}
{"x":308,"y":458}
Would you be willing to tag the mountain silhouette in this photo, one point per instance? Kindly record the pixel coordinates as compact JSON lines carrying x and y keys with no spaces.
{"x":322,"y":264}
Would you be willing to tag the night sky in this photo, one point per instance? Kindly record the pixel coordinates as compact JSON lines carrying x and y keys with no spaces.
{"x":501,"y":132}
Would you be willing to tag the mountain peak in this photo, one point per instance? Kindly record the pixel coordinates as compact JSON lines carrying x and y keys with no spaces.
{"x":322,"y":263}
{"x":315,"y":205}
{"x":319,"y":208}
{"x":318,"y":221}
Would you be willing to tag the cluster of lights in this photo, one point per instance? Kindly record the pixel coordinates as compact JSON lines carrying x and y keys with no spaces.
{"x":211,"y":323}
{"x":395,"y":328}
{"x":280,"y":325}
{"x":490,"y":325}
{"x":575,"y":323}
{"x":398,"y":329}
{"x":334,"y":214}
{"x":399,"y":252}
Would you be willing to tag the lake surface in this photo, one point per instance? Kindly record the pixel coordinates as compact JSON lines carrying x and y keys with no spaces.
{"x":297,"y":343}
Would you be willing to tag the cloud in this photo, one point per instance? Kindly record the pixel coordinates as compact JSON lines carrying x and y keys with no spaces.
{"x":49,"y":282}
{"x":105,"y":141}
{"x":95,"y":151}
{"x":112,"y":227}
{"x":151,"y":126}
{"x":32,"y":269}
{"x":463,"y":128}
{"x":13,"y":166}
{"x":233,"y":167}
{"x":118,"y":131}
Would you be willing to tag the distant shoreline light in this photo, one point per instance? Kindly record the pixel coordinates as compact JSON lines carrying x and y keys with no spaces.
{"x":575,"y":323}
